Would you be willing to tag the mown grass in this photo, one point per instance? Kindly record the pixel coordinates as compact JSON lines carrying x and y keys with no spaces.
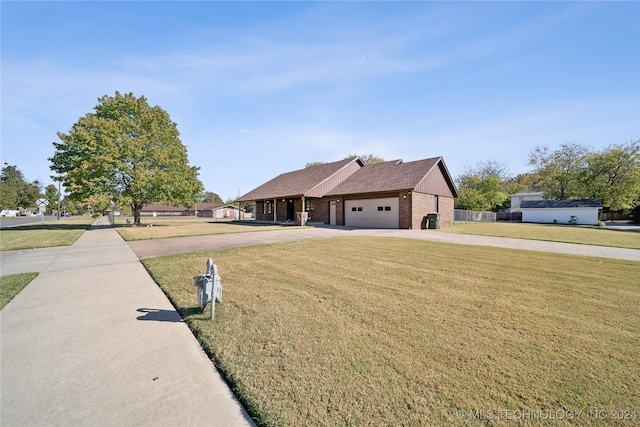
{"x":160,"y":228}
{"x":588,"y":235}
{"x":52,"y":233}
{"x":374,"y":331}
{"x":12,"y":284}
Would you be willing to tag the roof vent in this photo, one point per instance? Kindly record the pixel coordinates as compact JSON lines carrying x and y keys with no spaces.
{"x":399,"y":162}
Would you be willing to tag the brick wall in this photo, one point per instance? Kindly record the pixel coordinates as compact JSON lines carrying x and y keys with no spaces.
{"x":406,"y":209}
{"x":446,"y":211}
{"x":320,"y":211}
{"x":413,"y":207}
{"x":423,"y":204}
{"x":260,"y":215}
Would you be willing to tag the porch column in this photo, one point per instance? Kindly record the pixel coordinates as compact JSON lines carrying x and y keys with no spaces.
{"x":304,"y":207}
{"x":275,"y":210}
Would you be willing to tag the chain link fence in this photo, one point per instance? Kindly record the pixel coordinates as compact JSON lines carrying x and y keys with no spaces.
{"x":460,"y":215}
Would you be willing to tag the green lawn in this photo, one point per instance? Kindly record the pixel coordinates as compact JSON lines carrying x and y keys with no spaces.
{"x":374,"y":331}
{"x":164,"y":227}
{"x":588,"y":235}
{"x":52,"y":233}
{"x":12,"y":284}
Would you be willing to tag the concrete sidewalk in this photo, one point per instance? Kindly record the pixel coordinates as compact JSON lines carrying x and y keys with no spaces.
{"x":93,"y":341}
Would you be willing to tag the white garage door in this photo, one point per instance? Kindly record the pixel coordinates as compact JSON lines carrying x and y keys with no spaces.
{"x":374,"y":213}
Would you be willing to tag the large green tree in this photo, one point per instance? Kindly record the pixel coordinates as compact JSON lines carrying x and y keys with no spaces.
{"x":128,"y":152}
{"x":482,"y":187}
{"x":560,"y":171}
{"x":613,"y":175}
{"x":574,"y":171}
{"x":210,"y":197}
{"x":15,"y":190}
{"x":51,"y":194}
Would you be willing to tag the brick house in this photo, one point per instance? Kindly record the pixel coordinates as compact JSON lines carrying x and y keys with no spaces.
{"x":391,"y":194}
{"x":158,"y":209}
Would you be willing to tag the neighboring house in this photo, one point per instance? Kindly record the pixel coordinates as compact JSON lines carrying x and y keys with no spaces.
{"x":157,"y":209}
{"x":585,"y":211}
{"x":204,"y":210}
{"x":383,"y":195}
{"x":218,"y":211}
{"x":524,"y":196}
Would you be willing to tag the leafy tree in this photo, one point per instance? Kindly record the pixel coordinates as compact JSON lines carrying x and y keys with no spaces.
{"x":521,"y":182}
{"x":314,"y":164}
{"x":73,"y":207}
{"x":51,"y":194}
{"x":482,"y":187}
{"x":210,"y":197}
{"x":248,"y":207}
{"x":481,"y":194}
{"x":575,"y":172}
{"x":15,"y":191}
{"x":613,"y":175}
{"x":128,"y":153}
{"x":367,"y":159}
{"x":560,"y":171}
{"x":485,"y":169}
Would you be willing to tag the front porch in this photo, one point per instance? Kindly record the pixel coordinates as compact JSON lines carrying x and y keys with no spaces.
{"x":285,"y":211}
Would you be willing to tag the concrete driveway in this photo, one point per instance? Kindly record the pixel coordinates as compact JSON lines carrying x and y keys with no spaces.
{"x":160,"y":247}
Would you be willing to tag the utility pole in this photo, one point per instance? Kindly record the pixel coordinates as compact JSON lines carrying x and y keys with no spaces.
{"x":59,"y":180}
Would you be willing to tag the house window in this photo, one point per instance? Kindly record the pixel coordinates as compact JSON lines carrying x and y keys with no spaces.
{"x":268,"y":207}
{"x":387,"y":208}
{"x":360,"y":209}
{"x":309,"y":204}
{"x":354,"y":209}
{"x":380,"y":208}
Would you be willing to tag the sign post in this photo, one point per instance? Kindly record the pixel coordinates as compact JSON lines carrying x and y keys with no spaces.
{"x":42,"y":207}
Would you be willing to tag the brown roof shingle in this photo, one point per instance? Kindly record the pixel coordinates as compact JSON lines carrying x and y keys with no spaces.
{"x":387,"y":176}
{"x":297,"y":183}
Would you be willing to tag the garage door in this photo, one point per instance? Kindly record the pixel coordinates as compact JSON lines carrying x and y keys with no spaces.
{"x":373,"y":213}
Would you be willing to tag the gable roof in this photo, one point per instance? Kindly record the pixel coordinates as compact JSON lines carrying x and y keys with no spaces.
{"x":201,"y":206}
{"x":158,"y":207}
{"x":397,"y":175}
{"x":528,"y":193}
{"x":559,"y":204}
{"x":313,"y":181}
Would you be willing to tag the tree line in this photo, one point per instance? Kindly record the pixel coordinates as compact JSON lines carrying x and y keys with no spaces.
{"x":16,"y":192}
{"x":126,"y":154}
{"x":571,"y":171}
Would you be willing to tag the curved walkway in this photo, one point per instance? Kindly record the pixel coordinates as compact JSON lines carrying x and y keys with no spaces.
{"x":176,"y":245}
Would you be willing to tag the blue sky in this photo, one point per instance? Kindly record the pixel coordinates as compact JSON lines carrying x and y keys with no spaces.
{"x":262,"y":88}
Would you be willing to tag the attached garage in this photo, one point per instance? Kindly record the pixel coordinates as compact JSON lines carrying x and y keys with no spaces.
{"x":373,"y":213}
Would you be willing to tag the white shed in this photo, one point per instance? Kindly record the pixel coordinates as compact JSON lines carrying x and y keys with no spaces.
{"x":584,"y":211}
